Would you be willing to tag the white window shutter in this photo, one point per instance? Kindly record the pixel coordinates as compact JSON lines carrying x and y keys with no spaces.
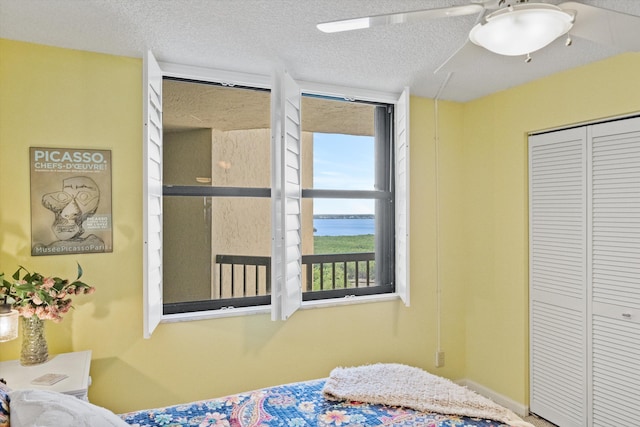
{"x":152,"y":197}
{"x":286,"y":256}
{"x":402,"y":195}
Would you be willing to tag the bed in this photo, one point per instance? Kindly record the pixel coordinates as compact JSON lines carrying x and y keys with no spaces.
{"x":371,"y":395}
{"x":397,"y":397}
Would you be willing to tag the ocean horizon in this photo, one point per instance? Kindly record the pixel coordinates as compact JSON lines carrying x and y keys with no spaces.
{"x":343,"y":226}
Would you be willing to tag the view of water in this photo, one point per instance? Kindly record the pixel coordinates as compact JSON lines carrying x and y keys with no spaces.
{"x":343,"y":226}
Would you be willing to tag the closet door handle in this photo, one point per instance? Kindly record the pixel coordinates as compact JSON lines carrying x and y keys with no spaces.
{"x":626,"y":315}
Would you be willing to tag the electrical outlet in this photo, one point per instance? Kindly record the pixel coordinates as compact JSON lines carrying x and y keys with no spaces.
{"x":439,"y":359}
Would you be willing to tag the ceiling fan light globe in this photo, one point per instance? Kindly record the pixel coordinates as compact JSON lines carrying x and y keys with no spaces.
{"x":522,"y":30}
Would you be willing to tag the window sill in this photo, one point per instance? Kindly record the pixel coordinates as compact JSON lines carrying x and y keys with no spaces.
{"x":215,"y":314}
{"x":266,"y":309}
{"x":348,"y":300}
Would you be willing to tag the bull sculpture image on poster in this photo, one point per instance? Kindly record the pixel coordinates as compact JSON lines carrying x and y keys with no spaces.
{"x":70,"y":201}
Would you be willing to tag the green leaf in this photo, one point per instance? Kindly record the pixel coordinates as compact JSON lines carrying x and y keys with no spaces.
{"x":79,"y":271}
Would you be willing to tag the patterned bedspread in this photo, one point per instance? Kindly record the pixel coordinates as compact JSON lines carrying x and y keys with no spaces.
{"x":292,"y":405}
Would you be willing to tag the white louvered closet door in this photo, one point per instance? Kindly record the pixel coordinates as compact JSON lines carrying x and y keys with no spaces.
{"x":557,"y":276}
{"x":615,"y":272}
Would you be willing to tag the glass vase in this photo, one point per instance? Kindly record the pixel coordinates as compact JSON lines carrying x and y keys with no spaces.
{"x":34,"y":344}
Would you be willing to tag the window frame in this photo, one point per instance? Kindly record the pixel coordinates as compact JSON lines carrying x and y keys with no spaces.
{"x":280,"y":308}
{"x":384,"y":198}
{"x":400,"y":155}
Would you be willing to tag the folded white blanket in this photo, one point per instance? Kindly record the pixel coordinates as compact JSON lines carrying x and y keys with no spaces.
{"x":401,"y":385}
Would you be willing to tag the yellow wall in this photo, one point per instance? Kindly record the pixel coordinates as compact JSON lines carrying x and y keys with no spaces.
{"x":494,"y":162}
{"x":63,"y":98}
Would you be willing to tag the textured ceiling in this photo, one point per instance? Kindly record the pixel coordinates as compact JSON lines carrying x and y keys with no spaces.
{"x":258,"y":35}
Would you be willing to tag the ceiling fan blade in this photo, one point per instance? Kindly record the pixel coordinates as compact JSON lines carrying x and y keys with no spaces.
{"x":605,"y":26}
{"x":398,"y":18}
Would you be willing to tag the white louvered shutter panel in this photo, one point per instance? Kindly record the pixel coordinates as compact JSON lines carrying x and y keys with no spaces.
{"x":152,"y":194}
{"x":615,"y":273}
{"x":286,"y":282}
{"x":557,"y":269}
{"x":402,"y":195}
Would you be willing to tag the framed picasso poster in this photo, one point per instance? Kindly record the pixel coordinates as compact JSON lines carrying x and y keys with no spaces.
{"x":70,"y":201}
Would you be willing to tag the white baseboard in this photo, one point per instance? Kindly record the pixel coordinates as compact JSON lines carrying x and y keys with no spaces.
{"x":518,"y":408}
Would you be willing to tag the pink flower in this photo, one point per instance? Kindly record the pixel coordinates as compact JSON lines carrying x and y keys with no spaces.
{"x":27,"y":311}
{"x":48,"y":283}
{"x":336,"y":417}
{"x":45,"y":297}
{"x":40,"y":312}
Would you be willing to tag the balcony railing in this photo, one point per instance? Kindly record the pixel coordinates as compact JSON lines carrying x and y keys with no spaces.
{"x":248,"y":276}
{"x":244,"y":281}
{"x":339,"y":271}
{"x":240,"y":276}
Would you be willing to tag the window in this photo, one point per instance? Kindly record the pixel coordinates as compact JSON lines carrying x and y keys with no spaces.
{"x":236,"y":171}
{"x":347,"y":198}
{"x":216,"y":196}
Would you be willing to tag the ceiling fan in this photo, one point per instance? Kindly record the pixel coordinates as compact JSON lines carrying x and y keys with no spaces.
{"x":515,"y":27}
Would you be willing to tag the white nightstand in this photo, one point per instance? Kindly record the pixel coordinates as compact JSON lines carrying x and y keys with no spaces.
{"x":75,"y":365}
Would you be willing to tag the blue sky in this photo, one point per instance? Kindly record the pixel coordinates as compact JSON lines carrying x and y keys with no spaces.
{"x":343,"y":162}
